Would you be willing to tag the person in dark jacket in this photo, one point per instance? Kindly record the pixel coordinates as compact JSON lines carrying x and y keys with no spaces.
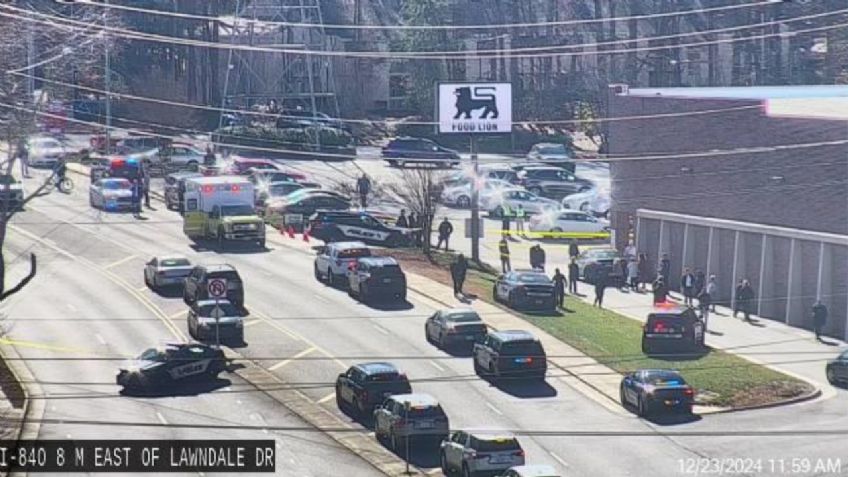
{"x":505,"y":219}
{"x":445,"y":231}
{"x":573,"y":275}
{"x":458,"y":269}
{"x":660,"y":291}
{"x":704,"y":302}
{"x":145,"y":182}
{"x":819,"y":318}
{"x":414,"y":223}
{"x":600,"y":286}
{"x":209,"y":158}
{"x":746,"y":299}
{"x":136,"y":196}
{"x":736,"y":307}
{"x":537,"y":257}
{"x":573,"y":250}
{"x":700,"y":281}
{"x":687,"y":284}
{"x":363,"y":187}
{"x":644,"y":272}
{"x":559,"y":287}
{"x":401,"y":220}
{"x":664,"y":268}
{"x":503,"y":248}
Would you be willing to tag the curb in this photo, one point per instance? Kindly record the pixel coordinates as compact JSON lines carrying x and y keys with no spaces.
{"x":812,"y":395}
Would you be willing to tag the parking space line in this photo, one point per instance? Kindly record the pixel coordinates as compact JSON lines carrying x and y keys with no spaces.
{"x":177,"y":314}
{"x":380,"y":329}
{"x":100,"y":338}
{"x":287,"y":361}
{"x":161,"y":418}
{"x":559,"y":459}
{"x":326,"y":398}
{"x":252,"y":322}
{"x":436,"y":365}
{"x":120,"y":262}
{"x":493,"y":408}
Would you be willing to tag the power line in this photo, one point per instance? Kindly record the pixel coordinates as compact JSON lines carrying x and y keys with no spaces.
{"x":330,"y":26}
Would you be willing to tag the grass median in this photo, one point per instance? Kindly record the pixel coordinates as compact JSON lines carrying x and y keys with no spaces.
{"x":722,"y":379}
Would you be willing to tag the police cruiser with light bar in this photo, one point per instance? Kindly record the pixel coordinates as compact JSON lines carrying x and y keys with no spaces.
{"x":335,"y":225}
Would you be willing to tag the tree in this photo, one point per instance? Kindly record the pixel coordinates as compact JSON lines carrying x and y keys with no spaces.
{"x":418,"y":191}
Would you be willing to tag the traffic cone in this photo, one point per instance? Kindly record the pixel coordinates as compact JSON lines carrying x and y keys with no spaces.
{"x":291,"y":231}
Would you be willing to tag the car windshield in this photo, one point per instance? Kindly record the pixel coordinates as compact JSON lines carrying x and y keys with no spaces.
{"x":354,"y":253}
{"x":226,"y":309}
{"x":466,"y":317}
{"x":533,"y":278}
{"x":236,"y":210}
{"x":153,"y":354}
{"x":284,"y":189}
{"x":227,"y":274}
{"x":386,"y":271}
{"x":663,"y":378}
{"x":497,"y":444}
{"x":174,"y":262}
{"x":552,"y":149}
{"x":115,"y":185}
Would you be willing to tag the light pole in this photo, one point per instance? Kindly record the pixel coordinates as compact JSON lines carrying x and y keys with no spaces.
{"x":107,"y":80}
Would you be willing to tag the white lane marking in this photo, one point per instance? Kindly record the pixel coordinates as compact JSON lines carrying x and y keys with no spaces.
{"x":177,"y":314}
{"x":320,"y":298}
{"x":72,"y":307}
{"x":434,"y":471}
{"x":326,"y":398}
{"x":287,"y":361}
{"x":493,"y":408}
{"x":120,"y":262}
{"x":252,"y":322}
{"x":436,"y":365}
{"x":141,"y":289}
{"x":559,"y":459}
{"x":380,"y":329}
{"x":161,"y":418}
{"x":100,"y":338}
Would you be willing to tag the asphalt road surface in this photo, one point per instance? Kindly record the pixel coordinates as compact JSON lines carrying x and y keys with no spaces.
{"x":89,"y":299}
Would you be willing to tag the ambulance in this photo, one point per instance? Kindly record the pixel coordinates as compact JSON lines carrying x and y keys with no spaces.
{"x":221,"y":208}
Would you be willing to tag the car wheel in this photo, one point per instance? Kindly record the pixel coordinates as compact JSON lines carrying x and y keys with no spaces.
{"x":535,"y":190}
{"x":495,"y":294}
{"x":402,"y":296}
{"x":146,"y":280}
{"x":441,"y":341}
{"x":339,"y":401}
{"x":478,"y":370}
{"x":583,"y":189}
{"x":510,"y":300}
{"x":315,"y":271}
{"x":645,"y":348}
{"x":584,"y":207}
{"x":621,"y":396}
{"x":831,"y":376}
{"x":443,"y":463}
{"x":641,"y":407}
{"x":359,"y":407}
{"x":261,"y":244}
{"x":364,"y":294}
{"x":401,"y":163}
{"x":192,"y":165}
{"x":463,"y":201}
{"x":492,"y":374}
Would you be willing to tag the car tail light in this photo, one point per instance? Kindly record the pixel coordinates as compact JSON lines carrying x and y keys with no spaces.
{"x":518,"y":453}
{"x":689,"y":392}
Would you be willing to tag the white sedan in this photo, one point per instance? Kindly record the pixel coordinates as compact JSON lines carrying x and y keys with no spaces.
{"x":110,"y":194}
{"x":559,"y":224}
{"x":460,"y":195}
{"x":595,"y":201}
{"x":45,"y":151}
{"x":510,"y":199}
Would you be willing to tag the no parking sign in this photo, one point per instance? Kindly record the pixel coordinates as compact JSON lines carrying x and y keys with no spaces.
{"x":217,"y":287}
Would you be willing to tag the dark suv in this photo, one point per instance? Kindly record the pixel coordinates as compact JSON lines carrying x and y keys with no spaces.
{"x":673,"y":328}
{"x":365,"y":386}
{"x":196,"y":285}
{"x":525,"y":289}
{"x":376,"y":277}
{"x":412,"y":150}
{"x":553,"y":182}
{"x":510,"y":353}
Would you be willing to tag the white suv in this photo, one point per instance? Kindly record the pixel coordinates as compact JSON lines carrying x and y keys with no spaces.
{"x":334,"y":261}
{"x":473,"y":454}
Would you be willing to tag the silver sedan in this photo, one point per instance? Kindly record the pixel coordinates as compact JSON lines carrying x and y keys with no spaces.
{"x":166,"y":271}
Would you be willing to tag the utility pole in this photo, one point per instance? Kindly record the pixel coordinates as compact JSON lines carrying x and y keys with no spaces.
{"x":30,"y":56}
{"x":107,"y":79}
{"x":475,"y":203}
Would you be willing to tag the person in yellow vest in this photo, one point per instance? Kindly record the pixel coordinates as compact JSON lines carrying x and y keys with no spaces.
{"x":505,"y":218}
{"x":503,"y":247}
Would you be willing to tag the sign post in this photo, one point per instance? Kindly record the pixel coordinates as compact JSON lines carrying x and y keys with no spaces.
{"x":475,"y":109}
{"x":217,"y":289}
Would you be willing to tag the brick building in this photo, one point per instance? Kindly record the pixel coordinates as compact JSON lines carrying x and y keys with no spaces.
{"x":755,"y":186}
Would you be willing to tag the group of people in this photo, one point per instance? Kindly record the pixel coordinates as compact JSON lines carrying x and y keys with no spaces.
{"x":508,"y":214}
{"x":412,"y":221}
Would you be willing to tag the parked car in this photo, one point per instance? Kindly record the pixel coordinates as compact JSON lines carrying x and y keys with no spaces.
{"x":552,"y":154}
{"x":509,"y":199}
{"x":167,"y":270}
{"x":268,"y":192}
{"x":525,"y":289}
{"x":372,"y":278}
{"x":417,"y":416}
{"x":651,"y":390}
{"x":573,"y":222}
{"x":43,"y":151}
{"x":333,"y":262}
{"x":511,"y":353}
{"x":112,"y":194}
{"x":335,"y":225}
{"x":15,"y":195}
{"x":173,"y":183}
{"x":836,"y":369}
{"x":365,"y":386}
{"x":299,"y":118}
{"x":595,"y":201}
{"x":296,"y":208}
{"x":596,"y":262}
{"x":455,"y":326}
{"x":266,"y":176}
{"x":460,"y":195}
{"x":197,"y":283}
{"x":673,"y":329}
{"x":410,"y":150}
{"x":473,"y":453}
{"x":553,"y":182}
{"x":182,"y":155}
{"x":485,"y":173}
{"x":241,"y":166}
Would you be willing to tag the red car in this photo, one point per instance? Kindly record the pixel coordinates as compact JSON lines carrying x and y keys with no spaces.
{"x":241,"y":165}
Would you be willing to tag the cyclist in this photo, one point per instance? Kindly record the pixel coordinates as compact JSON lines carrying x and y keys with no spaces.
{"x":59,"y":174}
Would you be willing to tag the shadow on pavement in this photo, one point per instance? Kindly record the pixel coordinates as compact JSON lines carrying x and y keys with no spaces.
{"x":673,"y":419}
{"x":525,"y":388}
{"x":188,"y":388}
{"x":235,"y":248}
{"x":169,"y":292}
{"x":383,"y":305}
{"x":422,"y":453}
{"x":680,"y":356}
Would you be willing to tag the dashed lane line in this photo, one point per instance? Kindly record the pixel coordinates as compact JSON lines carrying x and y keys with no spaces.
{"x":380,"y":329}
{"x":282,"y":329}
{"x":436,"y":365}
{"x":559,"y":459}
{"x":289,"y":360}
{"x":494,"y":409}
{"x":161,"y":418}
{"x":120,"y":262}
{"x":326,"y":398}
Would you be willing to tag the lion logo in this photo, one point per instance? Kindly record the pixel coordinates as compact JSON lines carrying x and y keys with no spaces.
{"x":485,"y":100}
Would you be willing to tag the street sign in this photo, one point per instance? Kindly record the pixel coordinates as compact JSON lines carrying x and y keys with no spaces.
{"x":475,"y":108}
{"x":468,"y":231}
{"x":217,"y":288}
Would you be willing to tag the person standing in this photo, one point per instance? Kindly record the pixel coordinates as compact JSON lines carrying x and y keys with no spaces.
{"x":136,"y":196}
{"x":600,"y":287}
{"x":23,"y":156}
{"x":401,"y":220}
{"x":633,"y":274}
{"x":712,"y":290}
{"x":505,"y":220}
{"x":458,"y":268}
{"x":660,"y":291}
{"x":630,"y":251}
{"x":687,"y":283}
{"x":819,"y":318}
{"x":704,"y":303}
{"x":445,"y":231}
{"x":503,"y":248}
{"x":664,"y":268}
{"x":736,"y":307}
{"x":209,"y":158}
{"x":746,"y":299}
{"x":622,"y":273}
{"x":573,"y":275}
{"x":363,"y":187}
{"x":573,"y":250}
{"x":537,"y":257}
{"x":520,"y":214}
{"x":145,"y":182}
{"x":559,"y":287}
{"x":644,"y":272}
{"x":700,"y":281}
{"x":413,"y":222}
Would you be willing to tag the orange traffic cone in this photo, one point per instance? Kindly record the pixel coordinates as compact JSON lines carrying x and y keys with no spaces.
{"x":291,"y":231}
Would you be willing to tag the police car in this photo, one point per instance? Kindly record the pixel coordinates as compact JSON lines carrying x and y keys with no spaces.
{"x":673,"y":328}
{"x":171,"y":363}
{"x":335,"y":226}
{"x":335,"y":260}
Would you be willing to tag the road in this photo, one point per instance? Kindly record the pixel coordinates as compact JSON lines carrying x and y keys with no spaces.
{"x":306,"y":333}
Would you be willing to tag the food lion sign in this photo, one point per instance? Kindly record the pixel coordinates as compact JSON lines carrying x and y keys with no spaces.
{"x":475,"y":108}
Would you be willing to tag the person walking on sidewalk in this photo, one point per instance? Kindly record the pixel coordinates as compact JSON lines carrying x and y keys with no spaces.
{"x":445,"y":231}
{"x":600,"y":287}
{"x":559,"y":287}
{"x":633,"y":274}
{"x":573,"y":250}
{"x":746,"y":299}
{"x":503,"y":248}
{"x":520,"y":215}
{"x":700,"y":281}
{"x":660,"y":291}
{"x":363,"y":187}
{"x":819,"y":318}
{"x":401,"y":220}
{"x":736,"y":307}
{"x":644,"y":272}
{"x":458,"y":270}
{"x":712,"y":289}
{"x":704,"y":302}
{"x":687,"y":282}
{"x":573,"y":275}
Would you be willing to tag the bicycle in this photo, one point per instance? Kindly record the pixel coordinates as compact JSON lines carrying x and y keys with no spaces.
{"x":66,"y":185}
